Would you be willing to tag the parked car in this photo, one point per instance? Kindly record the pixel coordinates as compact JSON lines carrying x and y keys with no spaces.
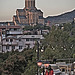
{"x":55,"y":69}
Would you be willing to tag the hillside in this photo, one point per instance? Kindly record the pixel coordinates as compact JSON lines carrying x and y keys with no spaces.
{"x":63,"y":18}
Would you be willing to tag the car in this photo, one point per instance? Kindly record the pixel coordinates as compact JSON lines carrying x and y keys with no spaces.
{"x":55,"y":69}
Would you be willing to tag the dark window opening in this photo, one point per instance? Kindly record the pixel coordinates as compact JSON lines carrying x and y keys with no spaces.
{"x":20,"y":47}
{"x":27,"y":39}
{"x":7,"y":47}
{"x":7,"y":40}
{"x":19,"y":39}
{"x":13,"y":47}
{"x":11,"y":40}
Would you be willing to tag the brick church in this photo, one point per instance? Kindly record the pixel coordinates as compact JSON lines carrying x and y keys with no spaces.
{"x":30,"y":15}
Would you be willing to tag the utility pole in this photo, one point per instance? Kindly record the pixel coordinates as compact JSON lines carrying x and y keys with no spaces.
{"x":37,"y":50}
{"x":37,"y":54}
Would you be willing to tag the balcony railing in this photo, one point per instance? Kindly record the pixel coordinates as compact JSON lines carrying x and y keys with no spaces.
{"x":15,"y":32}
{"x":10,"y":43}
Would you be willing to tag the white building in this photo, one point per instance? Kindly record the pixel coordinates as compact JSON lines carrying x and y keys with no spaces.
{"x":20,"y":42}
{"x":26,"y":41}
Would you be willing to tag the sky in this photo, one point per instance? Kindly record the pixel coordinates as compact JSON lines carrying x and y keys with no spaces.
{"x":49,"y":7}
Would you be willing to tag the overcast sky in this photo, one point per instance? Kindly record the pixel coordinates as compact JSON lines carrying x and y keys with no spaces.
{"x":49,"y":7}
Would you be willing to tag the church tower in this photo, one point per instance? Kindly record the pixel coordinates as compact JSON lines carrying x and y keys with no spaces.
{"x":30,"y":15}
{"x":29,"y":4}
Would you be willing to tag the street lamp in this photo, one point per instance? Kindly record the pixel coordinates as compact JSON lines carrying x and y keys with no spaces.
{"x":37,"y":55}
{"x":43,"y":64}
{"x":46,"y":64}
{"x":39,"y":63}
{"x":37,"y":50}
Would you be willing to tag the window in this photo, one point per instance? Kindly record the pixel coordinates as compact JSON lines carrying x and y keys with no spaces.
{"x":7,"y":47}
{"x":20,"y":47}
{"x":3,"y":33}
{"x":31,"y":39}
{"x":0,"y":48}
{"x":19,"y":39}
{"x":12,"y":29}
{"x":15,"y":29}
{"x":0,"y":33}
{"x":27,"y":39}
{"x":7,"y":31}
{"x":11,"y":40}
{"x":33,"y":36}
{"x":13,"y":47}
{"x":7,"y":40}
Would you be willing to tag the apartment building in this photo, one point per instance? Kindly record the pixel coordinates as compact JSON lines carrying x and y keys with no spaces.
{"x":12,"y":38}
{"x":10,"y":30}
{"x":20,"y":42}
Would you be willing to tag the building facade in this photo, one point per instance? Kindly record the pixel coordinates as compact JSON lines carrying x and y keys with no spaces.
{"x":20,"y":42}
{"x":10,"y":30}
{"x":13,"y":38}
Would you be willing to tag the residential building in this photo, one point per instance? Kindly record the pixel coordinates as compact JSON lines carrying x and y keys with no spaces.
{"x":10,"y":30}
{"x":6,"y":23}
{"x":20,"y":42}
{"x":9,"y":43}
{"x":29,"y":40}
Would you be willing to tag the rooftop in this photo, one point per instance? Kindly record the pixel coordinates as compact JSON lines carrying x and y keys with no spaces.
{"x":31,"y":36}
{"x":9,"y":27}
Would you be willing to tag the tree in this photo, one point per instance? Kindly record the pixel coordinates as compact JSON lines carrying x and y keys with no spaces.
{"x":14,"y":65}
{"x":60,"y":43}
{"x":31,"y":69}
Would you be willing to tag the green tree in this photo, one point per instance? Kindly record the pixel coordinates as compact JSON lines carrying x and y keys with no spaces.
{"x":60,"y":43}
{"x":14,"y":64}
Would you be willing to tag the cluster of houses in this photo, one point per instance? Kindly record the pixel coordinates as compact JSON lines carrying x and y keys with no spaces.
{"x":14,"y":38}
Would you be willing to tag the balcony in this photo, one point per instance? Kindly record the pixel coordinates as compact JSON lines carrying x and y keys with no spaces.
{"x":30,"y":42}
{"x":15,"y":32}
{"x":10,"y":43}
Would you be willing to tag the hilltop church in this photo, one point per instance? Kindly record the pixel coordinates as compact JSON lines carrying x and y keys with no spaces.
{"x":30,"y":15}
